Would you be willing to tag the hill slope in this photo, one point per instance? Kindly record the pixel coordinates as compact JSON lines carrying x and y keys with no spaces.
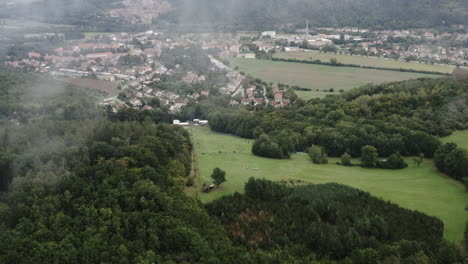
{"x":267,"y":14}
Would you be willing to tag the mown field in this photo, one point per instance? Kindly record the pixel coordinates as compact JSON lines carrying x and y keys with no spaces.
{"x":459,"y":137}
{"x":422,"y":188}
{"x":365,"y":61}
{"x":318,"y":76}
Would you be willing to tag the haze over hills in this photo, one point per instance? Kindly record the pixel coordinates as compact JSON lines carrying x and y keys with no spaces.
{"x":243,"y":14}
{"x":264,"y":14}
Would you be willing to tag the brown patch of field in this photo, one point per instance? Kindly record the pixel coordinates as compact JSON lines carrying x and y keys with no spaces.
{"x":103,"y":86}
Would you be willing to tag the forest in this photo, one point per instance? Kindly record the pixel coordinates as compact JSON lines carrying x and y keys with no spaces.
{"x":329,"y":221}
{"x":268,"y":15}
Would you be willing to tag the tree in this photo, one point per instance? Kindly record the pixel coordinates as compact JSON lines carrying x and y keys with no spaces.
{"x":395,"y":161}
{"x":317,"y":155}
{"x":369,"y":156}
{"x":419,"y":159}
{"x":265,"y":147}
{"x":346,"y":159}
{"x":218,"y":176}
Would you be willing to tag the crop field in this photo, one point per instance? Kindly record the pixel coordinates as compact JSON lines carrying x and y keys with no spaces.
{"x":365,"y":61}
{"x":459,"y":137}
{"x":318,"y":77}
{"x":420,"y":188}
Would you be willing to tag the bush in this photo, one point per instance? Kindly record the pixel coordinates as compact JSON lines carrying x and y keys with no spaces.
{"x":369,"y":156}
{"x":189,"y":182}
{"x":346,"y":159}
{"x":394,"y":162}
{"x":317,"y":155}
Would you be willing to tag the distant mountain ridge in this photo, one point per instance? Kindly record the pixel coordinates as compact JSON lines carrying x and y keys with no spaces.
{"x":267,"y":14}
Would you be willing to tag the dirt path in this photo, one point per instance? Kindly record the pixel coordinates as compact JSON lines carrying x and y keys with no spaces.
{"x":193,"y":170}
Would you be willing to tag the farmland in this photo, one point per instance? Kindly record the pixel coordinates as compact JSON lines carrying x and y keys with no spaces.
{"x":318,"y":77}
{"x":420,"y":188}
{"x":365,"y":61}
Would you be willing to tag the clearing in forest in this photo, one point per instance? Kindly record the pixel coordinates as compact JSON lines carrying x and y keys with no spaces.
{"x":420,"y":188}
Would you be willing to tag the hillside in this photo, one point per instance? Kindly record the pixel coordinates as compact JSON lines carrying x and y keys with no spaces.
{"x":241,"y":14}
{"x":268,"y":14}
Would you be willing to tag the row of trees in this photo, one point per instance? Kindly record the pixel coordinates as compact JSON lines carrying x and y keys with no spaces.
{"x":369,"y":158}
{"x":452,"y":160}
{"x":334,"y":62}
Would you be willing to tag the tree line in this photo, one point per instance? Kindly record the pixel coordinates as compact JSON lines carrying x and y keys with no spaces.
{"x":335,"y":63}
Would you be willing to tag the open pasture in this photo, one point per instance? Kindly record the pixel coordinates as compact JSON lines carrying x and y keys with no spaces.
{"x":419,"y":188}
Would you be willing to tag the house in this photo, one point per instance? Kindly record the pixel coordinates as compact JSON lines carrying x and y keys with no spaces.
{"x":259,"y":101}
{"x":319,"y":42}
{"x":178,"y":123}
{"x":270,"y":34}
{"x":247,"y":101}
{"x":278,"y":96}
{"x":99,"y":55}
{"x":291,"y":49}
{"x":190,"y":78}
{"x":200,"y":122}
{"x":34,"y":55}
{"x":135,"y":102}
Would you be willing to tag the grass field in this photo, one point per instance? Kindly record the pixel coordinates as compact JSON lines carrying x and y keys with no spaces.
{"x":365,"y":61}
{"x":318,"y":76}
{"x":415,"y":188}
{"x":459,"y":137}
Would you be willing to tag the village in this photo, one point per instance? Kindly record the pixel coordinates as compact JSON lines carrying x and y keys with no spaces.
{"x":135,"y":63}
{"x":424,"y":46}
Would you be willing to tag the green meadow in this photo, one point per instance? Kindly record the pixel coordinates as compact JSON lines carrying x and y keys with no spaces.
{"x":419,"y":188}
{"x":365,"y":61}
{"x":459,"y":137}
{"x":318,"y":77}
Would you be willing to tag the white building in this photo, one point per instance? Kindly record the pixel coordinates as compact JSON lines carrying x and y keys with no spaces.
{"x":270,"y":34}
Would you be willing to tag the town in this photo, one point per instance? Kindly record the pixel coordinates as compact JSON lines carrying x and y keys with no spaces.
{"x":156,"y":69}
{"x":142,"y":64}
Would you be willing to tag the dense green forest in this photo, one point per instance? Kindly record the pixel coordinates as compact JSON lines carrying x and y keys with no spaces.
{"x":270,"y":14}
{"x":329,"y":221}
